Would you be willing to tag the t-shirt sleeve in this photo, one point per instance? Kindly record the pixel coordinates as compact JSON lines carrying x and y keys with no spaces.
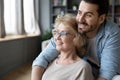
{"x":47,"y":55}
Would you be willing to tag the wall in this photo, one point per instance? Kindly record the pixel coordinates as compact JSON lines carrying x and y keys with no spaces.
{"x":14,"y":53}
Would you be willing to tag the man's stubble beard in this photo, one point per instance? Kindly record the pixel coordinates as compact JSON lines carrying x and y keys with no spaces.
{"x":90,"y":30}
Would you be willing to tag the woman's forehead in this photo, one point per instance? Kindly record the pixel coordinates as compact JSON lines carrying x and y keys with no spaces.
{"x":63,"y":27}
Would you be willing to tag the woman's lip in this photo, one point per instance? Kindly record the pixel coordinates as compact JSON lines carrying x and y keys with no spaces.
{"x":59,"y":43}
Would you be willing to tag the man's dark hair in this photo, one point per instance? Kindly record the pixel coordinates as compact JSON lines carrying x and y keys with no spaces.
{"x":103,"y":5}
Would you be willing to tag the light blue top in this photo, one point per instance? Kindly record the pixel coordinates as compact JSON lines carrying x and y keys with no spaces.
{"x":108,"y":51}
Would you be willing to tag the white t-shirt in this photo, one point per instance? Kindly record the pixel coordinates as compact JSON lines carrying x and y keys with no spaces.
{"x":79,"y":70}
{"x":91,"y":50}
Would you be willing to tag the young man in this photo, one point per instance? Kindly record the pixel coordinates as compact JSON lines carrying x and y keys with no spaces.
{"x":103,"y":49}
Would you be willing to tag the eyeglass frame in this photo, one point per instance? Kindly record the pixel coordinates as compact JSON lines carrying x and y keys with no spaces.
{"x":63,"y":33}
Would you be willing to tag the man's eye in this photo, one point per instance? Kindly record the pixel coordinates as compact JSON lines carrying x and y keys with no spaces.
{"x":88,"y":15}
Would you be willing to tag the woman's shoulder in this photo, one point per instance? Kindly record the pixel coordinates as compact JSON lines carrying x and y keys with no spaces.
{"x":84,"y":64}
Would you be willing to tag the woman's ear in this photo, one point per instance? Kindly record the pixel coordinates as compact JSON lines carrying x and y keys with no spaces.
{"x":75,"y":40}
{"x":78,"y":40}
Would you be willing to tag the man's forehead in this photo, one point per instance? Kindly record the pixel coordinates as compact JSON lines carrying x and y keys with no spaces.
{"x":87,"y":7}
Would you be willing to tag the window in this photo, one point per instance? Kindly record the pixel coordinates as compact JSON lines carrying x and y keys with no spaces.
{"x":19,"y":17}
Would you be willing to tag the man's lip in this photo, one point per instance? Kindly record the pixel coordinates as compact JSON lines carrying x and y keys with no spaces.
{"x":81,"y":26}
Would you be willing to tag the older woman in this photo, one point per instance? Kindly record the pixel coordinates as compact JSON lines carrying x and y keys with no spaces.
{"x":70,"y":44}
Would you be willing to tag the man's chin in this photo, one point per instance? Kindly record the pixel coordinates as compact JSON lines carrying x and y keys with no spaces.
{"x":80,"y":31}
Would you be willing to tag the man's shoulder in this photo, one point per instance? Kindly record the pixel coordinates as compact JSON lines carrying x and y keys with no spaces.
{"x":111,"y":27}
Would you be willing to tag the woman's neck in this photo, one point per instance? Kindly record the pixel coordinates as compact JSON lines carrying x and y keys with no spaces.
{"x":68,"y":57}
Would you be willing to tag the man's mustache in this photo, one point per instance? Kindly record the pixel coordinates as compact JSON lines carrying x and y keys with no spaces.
{"x":83,"y":23}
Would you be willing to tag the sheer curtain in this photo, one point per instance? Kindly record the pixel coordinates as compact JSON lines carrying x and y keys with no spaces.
{"x":19,"y":17}
{"x":30,"y":21}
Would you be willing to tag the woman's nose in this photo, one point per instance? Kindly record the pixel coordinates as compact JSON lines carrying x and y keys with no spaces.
{"x":57,"y":36}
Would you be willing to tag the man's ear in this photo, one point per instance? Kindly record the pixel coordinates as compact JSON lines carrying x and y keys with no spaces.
{"x":102,"y":18}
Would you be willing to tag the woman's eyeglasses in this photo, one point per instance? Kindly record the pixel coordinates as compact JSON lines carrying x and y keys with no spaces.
{"x":63,"y":33}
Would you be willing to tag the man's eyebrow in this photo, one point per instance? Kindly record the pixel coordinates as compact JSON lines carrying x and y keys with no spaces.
{"x":90,"y":13}
{"x":87,"y":12}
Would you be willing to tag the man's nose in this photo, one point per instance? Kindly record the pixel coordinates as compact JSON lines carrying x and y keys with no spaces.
{"x":80,"y":18}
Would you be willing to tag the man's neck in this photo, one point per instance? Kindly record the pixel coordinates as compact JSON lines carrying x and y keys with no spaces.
{"x":92,"y":34}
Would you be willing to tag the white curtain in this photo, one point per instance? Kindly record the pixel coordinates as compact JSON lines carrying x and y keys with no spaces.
{"x":30,"y":21}
{"x":20,"y":17}
{"x":10,"y":16}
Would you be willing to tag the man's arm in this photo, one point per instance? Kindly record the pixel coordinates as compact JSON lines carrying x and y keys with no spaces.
{"x":109,"y":63}
{"x":42,"y":61}
{"x":37,"y":73}
{"x":47,"y":55}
